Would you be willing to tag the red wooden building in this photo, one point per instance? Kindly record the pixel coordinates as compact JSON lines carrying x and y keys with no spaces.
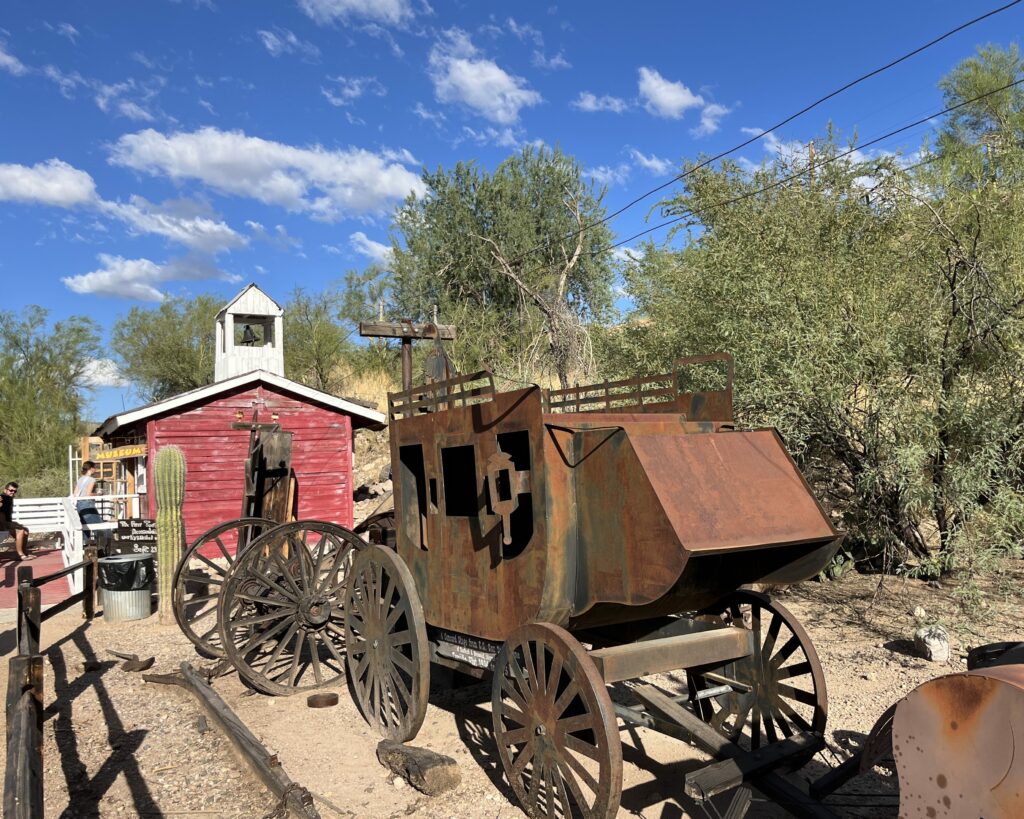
{"x":201,"y":423}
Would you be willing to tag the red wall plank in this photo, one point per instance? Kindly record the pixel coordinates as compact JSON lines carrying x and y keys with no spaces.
{"x":215,"y":455}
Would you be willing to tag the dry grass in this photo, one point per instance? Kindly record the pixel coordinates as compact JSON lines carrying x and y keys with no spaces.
{"x":371,"y":386}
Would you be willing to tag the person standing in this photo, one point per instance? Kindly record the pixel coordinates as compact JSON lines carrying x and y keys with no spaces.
{"x":7,"y":523}
{"x":85,"y":491}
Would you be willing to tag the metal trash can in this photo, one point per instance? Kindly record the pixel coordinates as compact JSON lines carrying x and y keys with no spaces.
{"x":126,"y":583}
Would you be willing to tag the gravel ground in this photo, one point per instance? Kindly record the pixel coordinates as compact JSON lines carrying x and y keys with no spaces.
{"x":118,"y":746}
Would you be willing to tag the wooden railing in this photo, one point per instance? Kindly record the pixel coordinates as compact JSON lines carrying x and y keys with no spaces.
{"x":460,"y":390}
{"x":23,"y":780}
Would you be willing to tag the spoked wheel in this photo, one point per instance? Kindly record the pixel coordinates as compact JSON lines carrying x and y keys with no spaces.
{"x":200,"y":574}
{"x":280,"y":615}
{"x":783,"y":679}
{"x":555,"y":726}
{"x":386,"y":637}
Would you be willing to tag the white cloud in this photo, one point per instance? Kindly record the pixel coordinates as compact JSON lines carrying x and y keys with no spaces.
{"x":182,"y":221}
{"x":64,"y":30}
{"x":558,"y":61}
{"x":108,"y":92}
{"x":591,"y":102}
{"x":525,"y":32}
{"x":103,"y":372}
{"x":349,"y":89}
{"x":625,"y":255}
{"x":389,"y":12}
{"x":365,"y":246}
{"x":709,"y":119}
{"x":53,"y":182}
{"x":325,"y":183}
{"x":503,"y":138}
{"x":278,"y":238}
{"x":57,"y":183}
{"x":665,"y":98}
{"x":138,"y":278}
{"x":110,"y":96}
{"x":461,"y":75}
{"x":334,"y":250}
{"x":10,"y":63}
{"x":425,"y":114}
{"x":652,"y":163}
{"x":283,"y":41}
{"x":67,"y":83}
{"x":609,"y":175}
{"x":134,"y":111}
{"x":788,"y":150}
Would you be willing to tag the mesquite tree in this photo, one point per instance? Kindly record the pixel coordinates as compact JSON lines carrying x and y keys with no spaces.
{"x":515,"y":259}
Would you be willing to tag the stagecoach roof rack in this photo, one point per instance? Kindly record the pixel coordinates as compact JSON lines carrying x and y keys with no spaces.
{"x":662,"y":392}
{"x":434,"y":396}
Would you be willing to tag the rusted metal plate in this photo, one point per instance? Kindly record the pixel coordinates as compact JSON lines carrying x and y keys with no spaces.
{"x":957,"y":745}
{"x":632,"y":660}
{"x":470,"y":580}
{"x":730,"y":491}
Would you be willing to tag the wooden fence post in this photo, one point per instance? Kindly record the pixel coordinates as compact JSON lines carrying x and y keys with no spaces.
{"x":89,"y":583}
{"x":29,"y":613}
{"x":23,"y":778}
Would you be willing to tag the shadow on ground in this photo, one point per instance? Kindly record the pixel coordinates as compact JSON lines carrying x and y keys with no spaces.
{"x":84,"y":791}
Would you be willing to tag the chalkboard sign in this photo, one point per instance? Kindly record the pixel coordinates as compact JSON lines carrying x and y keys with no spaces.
{"x":135,"y":536}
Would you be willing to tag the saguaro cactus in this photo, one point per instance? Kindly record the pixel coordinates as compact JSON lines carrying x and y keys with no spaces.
{"x":169,"y":475}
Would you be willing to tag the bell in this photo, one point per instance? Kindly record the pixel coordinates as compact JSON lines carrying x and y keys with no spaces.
{"x":248,"y":336}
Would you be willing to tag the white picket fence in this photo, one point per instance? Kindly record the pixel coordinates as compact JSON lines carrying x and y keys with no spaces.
{"x":61,"y":515}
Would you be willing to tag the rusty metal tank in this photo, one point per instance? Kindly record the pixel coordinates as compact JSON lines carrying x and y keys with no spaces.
{"x":596,"y":505}
{"x":956,"y":743}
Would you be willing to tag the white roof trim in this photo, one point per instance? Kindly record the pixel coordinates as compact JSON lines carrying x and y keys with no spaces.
{"x":114,"y":422}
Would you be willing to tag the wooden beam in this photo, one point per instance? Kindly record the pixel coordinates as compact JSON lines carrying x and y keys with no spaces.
{"x":731,"y":773}
{"x":405,"y":329}
{"x":295,"y":799}
{"x":632,"y":660}
{"x":690,"y":727}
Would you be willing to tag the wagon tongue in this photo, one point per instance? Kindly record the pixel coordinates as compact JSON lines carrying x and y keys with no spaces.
{"x":730,"y":490}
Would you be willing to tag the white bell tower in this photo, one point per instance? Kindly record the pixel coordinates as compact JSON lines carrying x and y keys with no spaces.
{"x":250,"y":335}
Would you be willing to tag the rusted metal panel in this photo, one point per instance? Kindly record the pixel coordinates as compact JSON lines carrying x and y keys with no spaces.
{"x":956,"y":742}
{"x":469,"y":579}
{"x":732,"y":491}
{"x":632,"y":660}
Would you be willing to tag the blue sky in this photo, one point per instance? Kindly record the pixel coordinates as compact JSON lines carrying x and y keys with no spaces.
{"x":162,"y":148}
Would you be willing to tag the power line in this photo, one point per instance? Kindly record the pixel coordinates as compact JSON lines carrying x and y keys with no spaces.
{"x":780,"y":124}
{"x":798,"y":174}
{"x":812,"y":106}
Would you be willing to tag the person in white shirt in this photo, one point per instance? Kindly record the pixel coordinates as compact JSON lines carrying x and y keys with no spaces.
{"x":85,"y":490}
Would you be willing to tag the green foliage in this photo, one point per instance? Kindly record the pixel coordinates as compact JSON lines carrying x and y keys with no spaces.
{"x":169,"y":477}
{"x":168,"y":349}
{"x":43,"y":373}
{"x":877,"y":318}
{"x":317,"y":345}
{"x":469,"y":248}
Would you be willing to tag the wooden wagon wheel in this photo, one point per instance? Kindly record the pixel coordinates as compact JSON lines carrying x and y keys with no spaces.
{"x":783,"y":681}
{"x":386,"y":636}
{"x":555,"y":726}
{"x":280,"y":614}
{"x":199,"y":576}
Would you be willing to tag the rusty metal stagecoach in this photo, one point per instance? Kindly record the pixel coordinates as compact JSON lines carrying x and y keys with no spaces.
{"x":558,"y":542}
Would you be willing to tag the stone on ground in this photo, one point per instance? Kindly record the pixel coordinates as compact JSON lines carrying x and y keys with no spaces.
{"x":932,"y":643}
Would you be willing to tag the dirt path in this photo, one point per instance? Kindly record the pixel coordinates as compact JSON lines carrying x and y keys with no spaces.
{"x":117,"y":746}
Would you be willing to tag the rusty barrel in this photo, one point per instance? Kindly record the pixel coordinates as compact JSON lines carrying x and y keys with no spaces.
{"x":958,"y":742}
